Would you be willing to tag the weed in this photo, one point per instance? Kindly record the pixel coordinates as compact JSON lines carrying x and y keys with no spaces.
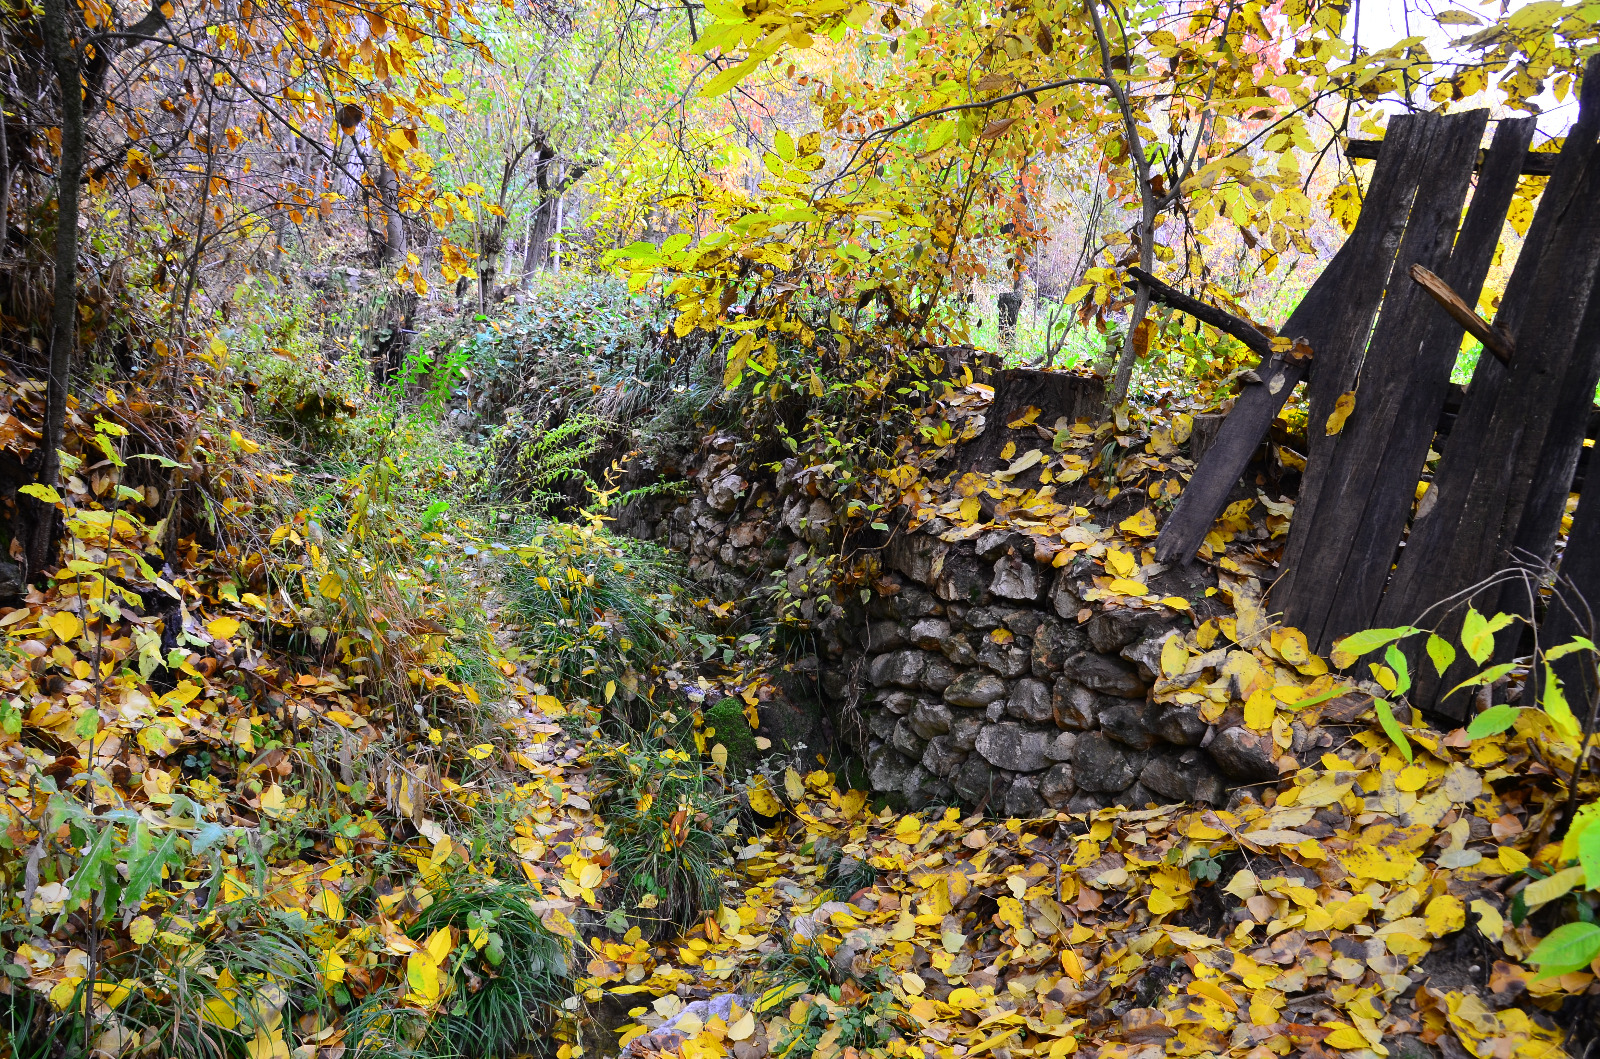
{"x":507,"y":972}
{"x":662,"y":814}
{"x":595,"y":611}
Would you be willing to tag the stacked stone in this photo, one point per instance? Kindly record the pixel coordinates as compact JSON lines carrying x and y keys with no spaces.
{"x":1051,"y":713}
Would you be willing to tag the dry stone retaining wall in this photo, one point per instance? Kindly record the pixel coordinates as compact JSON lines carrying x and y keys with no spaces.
{"x":976,"y":674}
{"x":987,"y":680}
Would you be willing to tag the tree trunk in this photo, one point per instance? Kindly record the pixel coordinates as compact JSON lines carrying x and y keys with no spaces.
{"x":64,"y":312}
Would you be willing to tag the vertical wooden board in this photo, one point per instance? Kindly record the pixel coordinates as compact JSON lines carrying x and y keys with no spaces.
{"x":1518,"y":422}
{"x":1334,"y":317}
{"x":1365,"y":478}
{"x":1575,"y":605}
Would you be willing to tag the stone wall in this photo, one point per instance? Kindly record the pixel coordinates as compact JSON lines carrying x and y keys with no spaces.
{"x":984,"y":678}
{"x":975,"y":674}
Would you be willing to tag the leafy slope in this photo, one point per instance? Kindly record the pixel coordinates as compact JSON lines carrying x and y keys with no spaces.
{"x":1341,"y":907}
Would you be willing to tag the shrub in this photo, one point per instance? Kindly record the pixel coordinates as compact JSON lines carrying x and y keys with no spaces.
{"x":507,"y":972}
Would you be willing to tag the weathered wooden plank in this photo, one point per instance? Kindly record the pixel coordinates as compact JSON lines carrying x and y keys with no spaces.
{"x":1575,"y":607}
{"x":1360,"y":484}
{"x":1464,"y":314}
{"x":1333,"y":318}
{"x":1534,"y":163}
{"x":1508,"y":463}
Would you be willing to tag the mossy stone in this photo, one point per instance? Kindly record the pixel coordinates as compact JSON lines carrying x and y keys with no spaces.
{"x":733,"y":731}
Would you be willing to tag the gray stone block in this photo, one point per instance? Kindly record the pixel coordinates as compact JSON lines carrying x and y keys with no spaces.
{"x":1076,"y":707}
{"x":1023,"y":799}
{"x":929,"y":719}
{"x":1064,"y":598}
{"x":939,"y":674}
{"x":975,"y":689}
{"x":1030,"y":701}
{"x":1104,"y":673}
{"x":887,"y":768}
{"x":964,"y":728}
{"x":929,"y":633}
{"x":1057,"y":786}
{"x":1124,"y":722}
{"x":1245,"y":755}
{"x":1010,"y":746}
{"x":1172,"y":723}
{"x":959,"y":650}
{"x":907,"y":741}
{"x":1017,"y":578}
{"x":1099,"y":764}
{"x":941,"y":758}
{"x":977,"y":780}
{"x":1008,"y":660}
{"x":1062,"y":746}
{"x":899,"y":668}
{"x":1112,"y":630}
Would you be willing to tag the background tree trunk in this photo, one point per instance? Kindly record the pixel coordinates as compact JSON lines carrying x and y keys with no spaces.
{"x":41,"y":535}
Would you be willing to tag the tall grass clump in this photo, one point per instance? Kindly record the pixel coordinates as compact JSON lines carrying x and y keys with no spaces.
{"x":593,"y":612}
{"x":662,"y":811}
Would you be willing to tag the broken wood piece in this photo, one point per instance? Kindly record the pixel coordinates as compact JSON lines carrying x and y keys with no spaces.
{"x":1534,"y":163}
{"x":1494,"y":340}
{"x":1222,"y":320}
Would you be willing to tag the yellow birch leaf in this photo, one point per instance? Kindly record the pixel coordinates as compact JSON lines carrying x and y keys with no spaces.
{"x":331,"y":585}
{"x":422,"y":978}
{"x":223,"y":628}
{"x":742,"y":1027}
{"x":1125,"y":587}
{"x":1259,"y":711}
{"x":1543,"y":891}
{"x":1341,"y":411}
{"x":332,"y":967}
{"x":1445,"y":915}
{"x":1490,"y":921}
{"x":762,"y":800}
{"x":1142,"y":524}
{"x":65,"y":625}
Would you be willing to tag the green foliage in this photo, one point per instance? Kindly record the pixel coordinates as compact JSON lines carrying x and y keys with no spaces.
{"x":508,"y":971}
{"x":732,"y":730}
{"x":662,"y":812}
{"x":593,"y":611}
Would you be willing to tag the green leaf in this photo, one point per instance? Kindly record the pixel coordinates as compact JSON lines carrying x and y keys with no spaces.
{"x":144,"y":871}
{"x":1392,"y":729}
{"x":1567,"y":948}
{"x":1581,"y":643}
{"x":1492,"y":721}
{"x":87,"y":724}
{"x":164,"y":461}
{"x":1352,"y":647}
{"x":1402,"y":670}
{"x":86,"y":880}
{"x":1555,"y":704}
{"x":1488,"y":676}
{"x":727,"y":79}
{"x":1440,"y":651}
{"x":1589,"y":856}
{"x":1477,"y":633}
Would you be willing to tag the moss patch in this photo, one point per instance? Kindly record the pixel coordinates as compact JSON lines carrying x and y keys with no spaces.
{"x":733,"y":731}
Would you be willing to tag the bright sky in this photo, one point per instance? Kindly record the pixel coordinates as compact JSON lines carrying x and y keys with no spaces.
{"x":1385,"y":20}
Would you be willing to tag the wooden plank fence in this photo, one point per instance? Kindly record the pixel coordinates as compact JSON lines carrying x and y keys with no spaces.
{"x":1377,"y":325}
